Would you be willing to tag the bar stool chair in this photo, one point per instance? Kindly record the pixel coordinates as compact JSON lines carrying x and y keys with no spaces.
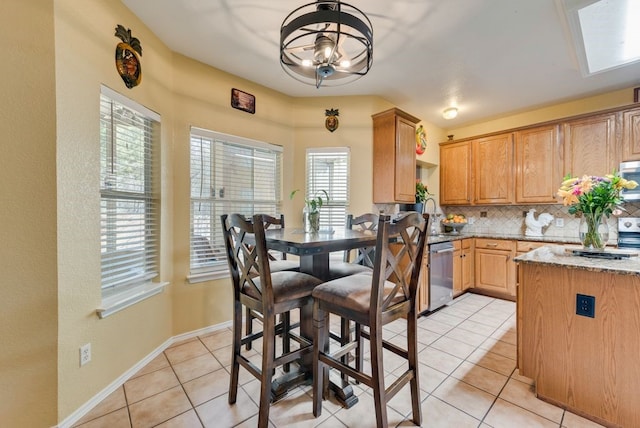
{"x":362,"y":263}
{"x":276,"y":265}
{"x":373,"y":301}
{"x":267,"y":293}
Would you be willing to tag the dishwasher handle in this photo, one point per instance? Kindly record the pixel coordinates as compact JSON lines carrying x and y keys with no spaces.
{"x":445,"y":250}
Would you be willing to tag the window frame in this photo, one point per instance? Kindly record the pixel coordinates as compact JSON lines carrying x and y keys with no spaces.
{"x":220,"y":144}
{"x":139,"y":283}
{"x":315,"y":184}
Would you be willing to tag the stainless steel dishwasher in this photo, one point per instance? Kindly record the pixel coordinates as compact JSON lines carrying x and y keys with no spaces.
{"x":440,"y":274}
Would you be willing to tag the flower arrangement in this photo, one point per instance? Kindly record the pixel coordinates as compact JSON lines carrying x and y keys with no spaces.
{"x":593,"y":197}
{"x":421,"y":192}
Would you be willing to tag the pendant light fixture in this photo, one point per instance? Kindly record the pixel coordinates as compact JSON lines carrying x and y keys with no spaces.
{"x":326,"y":43}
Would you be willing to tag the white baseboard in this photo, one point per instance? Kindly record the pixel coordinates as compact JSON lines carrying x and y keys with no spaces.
{"x":96,"y":399}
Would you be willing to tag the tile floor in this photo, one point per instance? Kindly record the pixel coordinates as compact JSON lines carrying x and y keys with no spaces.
{"x":467,"y":379}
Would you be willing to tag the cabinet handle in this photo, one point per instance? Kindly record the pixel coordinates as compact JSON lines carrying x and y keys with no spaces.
{"x":492,"y":244}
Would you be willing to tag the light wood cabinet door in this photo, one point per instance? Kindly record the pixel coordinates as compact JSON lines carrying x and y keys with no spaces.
{"x":457,"y":268}
{"x":394,"y":157}
{"x":493,"y":169}
{"x":538,"y":165}
{"x":495,"y":270}
{"x":455,"y":174}
{"x":631,"y":135}
{"x":423,"y":291}
{"x":466,"y":264}
{"x":590,"y":146}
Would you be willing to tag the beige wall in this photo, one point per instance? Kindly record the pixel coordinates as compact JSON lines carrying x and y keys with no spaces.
{"x":591,"y":104}
{"x":28,"y":361}
{"x":85,"y":46}
{"x":49,"y":221}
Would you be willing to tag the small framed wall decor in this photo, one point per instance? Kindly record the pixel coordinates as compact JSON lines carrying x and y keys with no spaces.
{"x":636,"y":95}
{"x":243,"y":101}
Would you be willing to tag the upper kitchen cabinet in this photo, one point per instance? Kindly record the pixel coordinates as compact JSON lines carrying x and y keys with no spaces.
{"x":493,"y":169}
{"x":394,"y":157}
{"x":631,"y":135}
{"x":538,"y":165}
{"x":590,"y":145}
{"x":455,"y":173}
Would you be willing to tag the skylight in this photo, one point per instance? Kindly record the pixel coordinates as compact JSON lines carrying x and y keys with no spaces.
{"x":604,"y":32}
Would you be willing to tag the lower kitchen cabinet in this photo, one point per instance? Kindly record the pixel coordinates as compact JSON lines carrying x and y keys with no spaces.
{"x":462,"y":266}
{"x":495,"y":271}
{"x":423,"y":283}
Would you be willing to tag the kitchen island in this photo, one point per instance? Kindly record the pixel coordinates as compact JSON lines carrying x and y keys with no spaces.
{"x":589,"y":365}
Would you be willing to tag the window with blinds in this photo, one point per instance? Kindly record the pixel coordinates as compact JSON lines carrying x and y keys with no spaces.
{"x":129,"y":200}
{"x":328,"y":169}
{"x":228,"y":175}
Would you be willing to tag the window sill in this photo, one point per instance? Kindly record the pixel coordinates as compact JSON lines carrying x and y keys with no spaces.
{"x":120,"y":301}
{"x":194,"y":278}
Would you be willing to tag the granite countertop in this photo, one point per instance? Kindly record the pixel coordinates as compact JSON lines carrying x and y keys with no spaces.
{"x":444,"y":237}
{"x":561,"y":255}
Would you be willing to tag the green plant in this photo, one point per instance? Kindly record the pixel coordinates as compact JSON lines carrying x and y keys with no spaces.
{"x":315,"y":203}
{"x":421,"y":192}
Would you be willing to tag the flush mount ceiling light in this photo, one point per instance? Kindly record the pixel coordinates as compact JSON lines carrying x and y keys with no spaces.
{"x":450,"y":113}
{"x":326,"y":43}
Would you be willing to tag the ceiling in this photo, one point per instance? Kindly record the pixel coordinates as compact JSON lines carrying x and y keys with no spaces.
{"x":487,"y":57}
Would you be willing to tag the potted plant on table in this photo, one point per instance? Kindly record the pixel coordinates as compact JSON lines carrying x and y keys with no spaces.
{"x":594,"y":199}
{"x":311,"y":212}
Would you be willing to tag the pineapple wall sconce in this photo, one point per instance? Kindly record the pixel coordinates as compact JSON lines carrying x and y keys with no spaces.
{"x":127,"y":59}
{"x":331,"y":122}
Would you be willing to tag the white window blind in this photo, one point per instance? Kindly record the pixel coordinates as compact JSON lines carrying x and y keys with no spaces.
{"x":229,"y":174}
{"x":328,"y":169}
{"x":129,"y":201}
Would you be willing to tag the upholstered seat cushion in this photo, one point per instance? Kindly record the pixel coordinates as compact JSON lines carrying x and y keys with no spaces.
{"x":352,"y":292}
{"x":280,"y":265}
{"x":287,"y":285}
{"x":342,"y":269}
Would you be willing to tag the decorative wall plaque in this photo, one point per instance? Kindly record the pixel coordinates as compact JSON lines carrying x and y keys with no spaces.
{"x":243,"y":101}
{"x":331,"y":122}
{"x":127,"y":60}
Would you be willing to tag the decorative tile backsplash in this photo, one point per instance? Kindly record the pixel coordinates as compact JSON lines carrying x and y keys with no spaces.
{"x":510,"y":219}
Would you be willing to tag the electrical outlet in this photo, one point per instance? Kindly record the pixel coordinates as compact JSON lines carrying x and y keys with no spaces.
{"x":85,"y":354}
{"x":483,"y":214}
{"x":559,"y":222}
{"x":471,"y":220}
{"x":586,"y":305}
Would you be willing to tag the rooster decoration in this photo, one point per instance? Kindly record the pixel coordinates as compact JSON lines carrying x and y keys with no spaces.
{"x":534,"y":226}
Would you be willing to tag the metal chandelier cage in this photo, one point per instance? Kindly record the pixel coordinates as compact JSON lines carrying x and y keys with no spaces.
{"x":326,"y":43}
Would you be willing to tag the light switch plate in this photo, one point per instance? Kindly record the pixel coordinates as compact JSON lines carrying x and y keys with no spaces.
{"x":559,"y":222}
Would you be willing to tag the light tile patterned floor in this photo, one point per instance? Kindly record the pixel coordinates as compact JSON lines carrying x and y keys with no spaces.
{"x":467,"y":379}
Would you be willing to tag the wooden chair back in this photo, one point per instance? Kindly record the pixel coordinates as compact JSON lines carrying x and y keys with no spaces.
{"x":271,"y":222}
{"x":247,"y":256}
{"x":364,"y":256}
{"x":399,"y":252}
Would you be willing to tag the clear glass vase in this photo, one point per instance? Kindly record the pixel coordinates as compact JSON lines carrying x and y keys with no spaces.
{"x":594,"y":231}
{"x":311,"y":220}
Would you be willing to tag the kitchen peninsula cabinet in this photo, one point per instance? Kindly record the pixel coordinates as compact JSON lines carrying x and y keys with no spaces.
{"x":588,"y":365}
{"x":455,"y":174}
{"x":394,"y":157}
{"x":493,"y":169}
{"x":590,"y":145}
{"x":538,"y":165}
{"x":495,"y":270}
{"x":631,"y":135}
